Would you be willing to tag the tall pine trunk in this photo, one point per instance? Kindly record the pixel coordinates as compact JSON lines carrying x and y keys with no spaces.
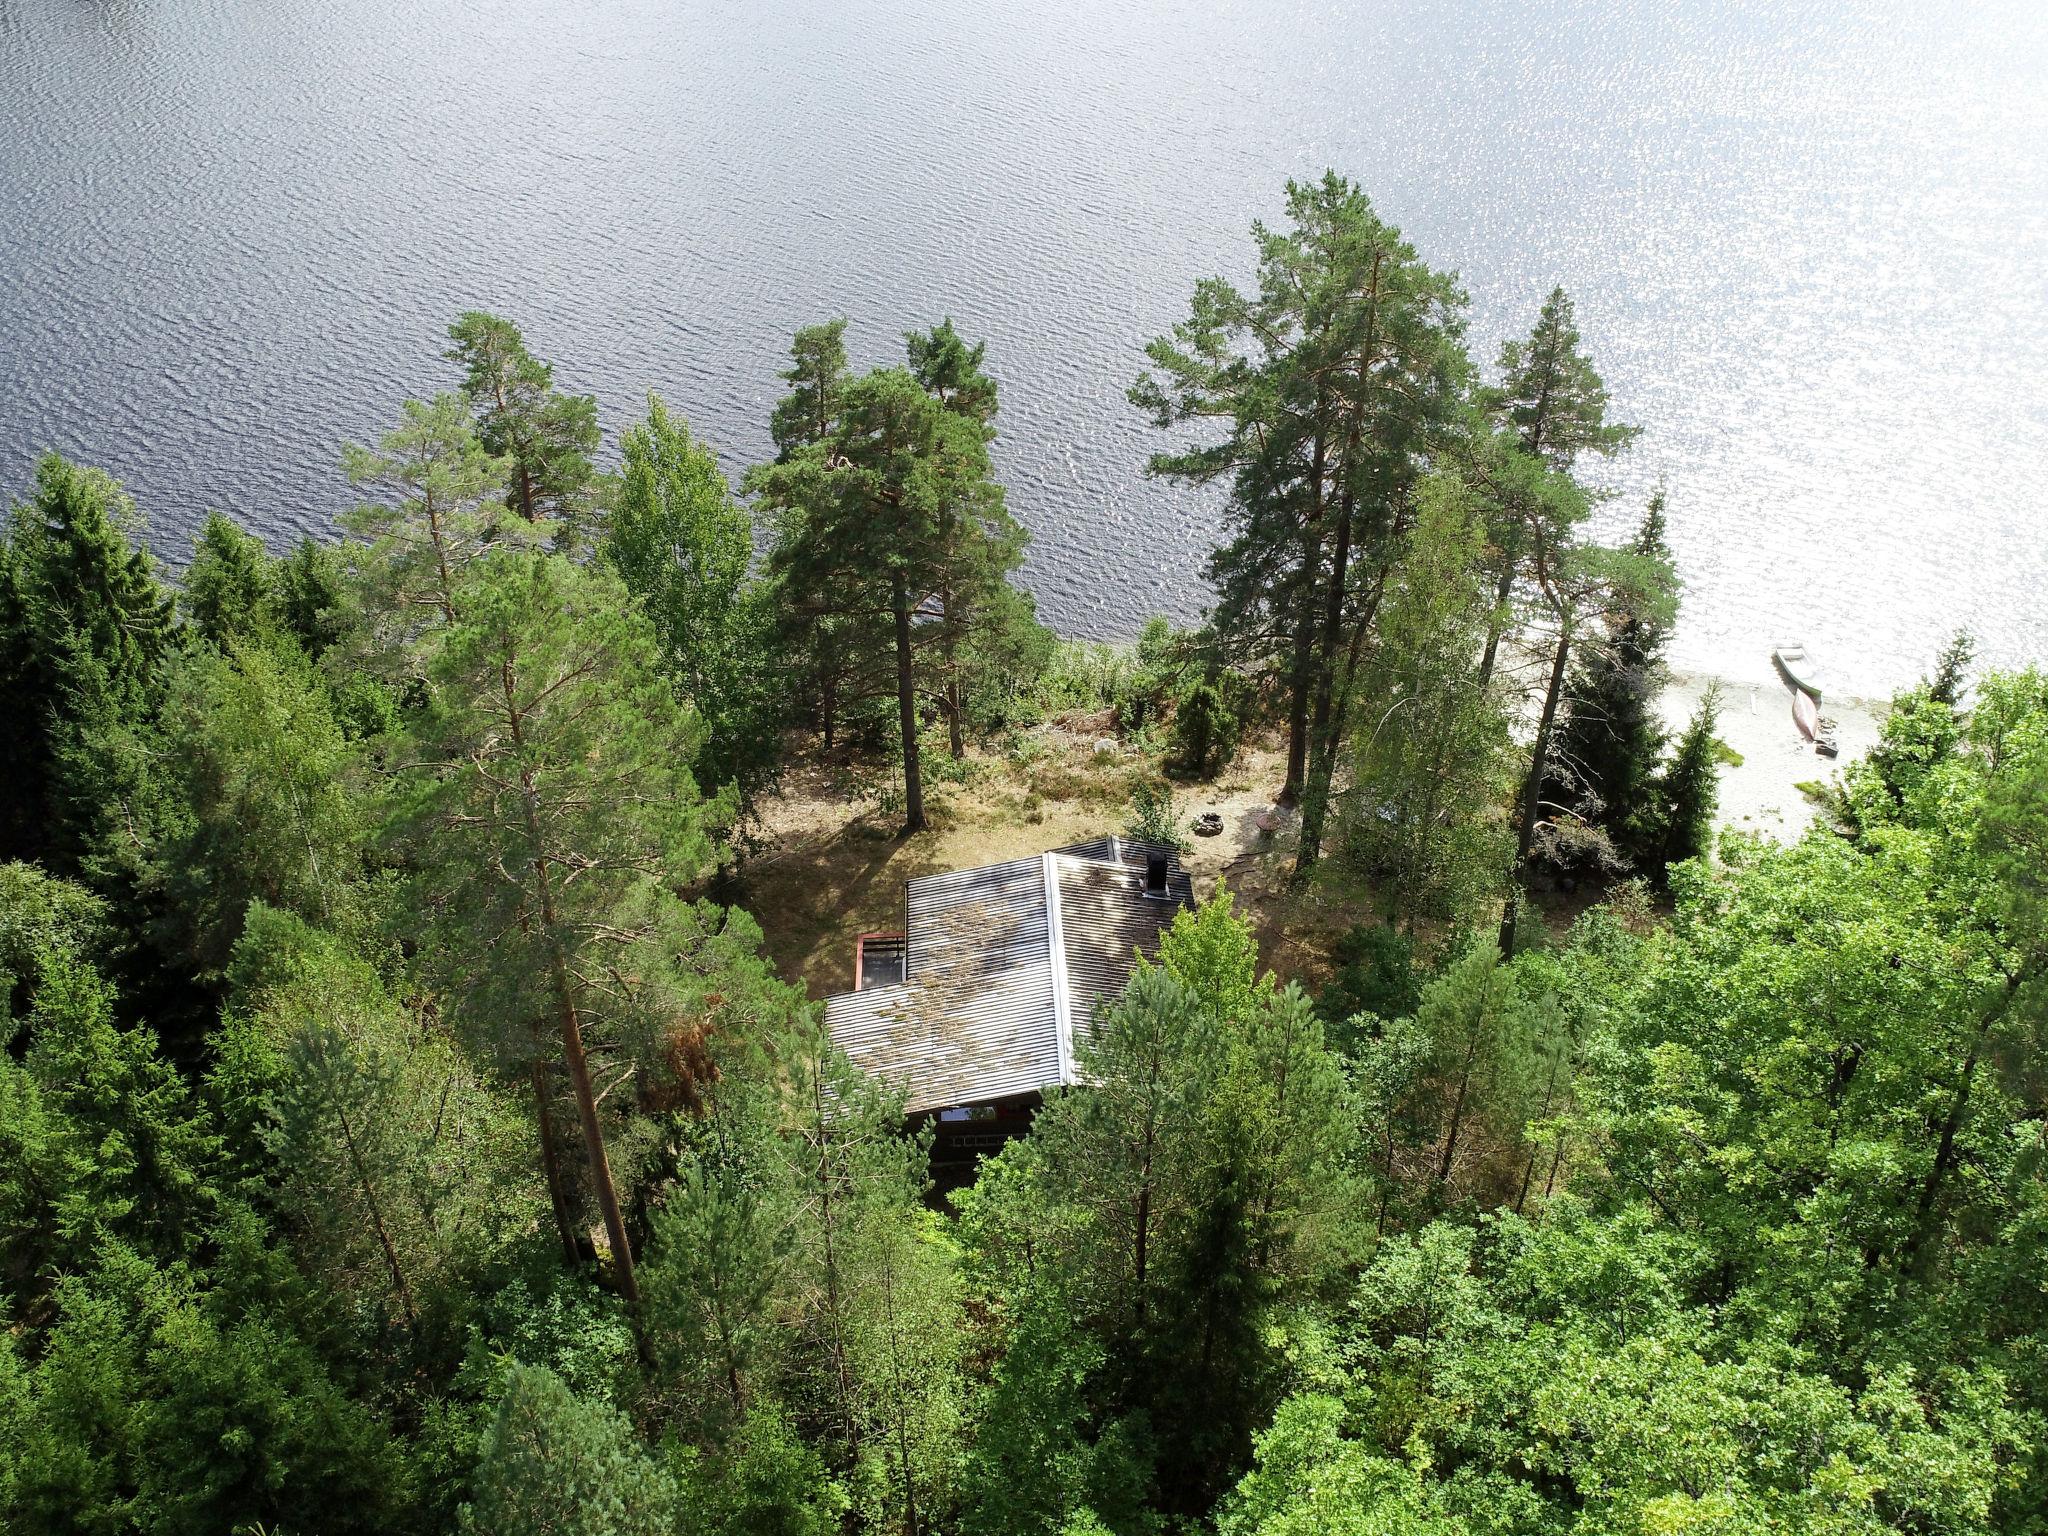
{"x":1322,"y":743}
{"x":1532,"y":787}
{"x":550,"y":1163}
{"x":571,"y":1026}
{"x":566,"y":1017}
{"x":906,"y":707}
{"x":1297,"y":716}
{"x":1499,"y":621}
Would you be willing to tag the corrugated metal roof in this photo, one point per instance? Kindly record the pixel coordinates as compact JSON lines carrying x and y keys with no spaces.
{"x":1105,"y":916}
{"x":1005,"y":962}
{"x":994,"y":1038}
{"x":975,"y":921}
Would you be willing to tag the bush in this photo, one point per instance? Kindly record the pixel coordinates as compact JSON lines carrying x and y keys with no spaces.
{"x":1376,"y":974}
{"x":1155,"y":816}
{"x":1081,"y":675}
{"x":1208,"y":724}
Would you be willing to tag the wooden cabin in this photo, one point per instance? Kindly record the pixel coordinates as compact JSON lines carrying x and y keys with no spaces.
{"x":974,"y":1008}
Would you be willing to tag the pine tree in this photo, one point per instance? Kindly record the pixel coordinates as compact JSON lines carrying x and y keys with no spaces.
{"x":820,"y":648}
{"x":718,"y":1261}
{"x":549,"y":813}
{"x":310,"y":595}
{"x":446,"y":511}
{"x":1335,"y":379}
{"x":895,"y":506}
{"x":264,"y":799}
{"x":1552,"y":405}
{"x":972,"y":596}
{"x":553,"y":1464}
{"x":395,"y":1164}
{"x":817,"y":380}
{"x":547,"y":437}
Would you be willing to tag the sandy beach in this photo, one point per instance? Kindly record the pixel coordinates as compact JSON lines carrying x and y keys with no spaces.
{"x":1762,"y":795}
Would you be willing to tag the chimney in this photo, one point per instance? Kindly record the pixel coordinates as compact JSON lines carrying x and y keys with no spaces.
{"x":1155,"y":872}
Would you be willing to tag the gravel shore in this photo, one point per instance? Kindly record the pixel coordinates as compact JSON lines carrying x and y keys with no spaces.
{"x":1762,"y":795}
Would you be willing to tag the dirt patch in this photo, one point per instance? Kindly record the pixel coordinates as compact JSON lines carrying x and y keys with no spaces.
{"x":832,"y":865}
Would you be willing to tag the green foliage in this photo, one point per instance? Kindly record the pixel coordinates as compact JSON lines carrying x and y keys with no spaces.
{"x":363,"y":935}
{"x":768,"y":1483}
{"x":720,"y":1245}
{"x":447,"y":511}
{"x":1197,"y":1191}
{"x":1037,"y":1467}
{"x":1687,"y":792}
{"x":1375,"y":974}
{"x":1551,"y":396}
{"x":86,"y":627}
{"x":1084,"y":675}
{"x":158,"y":1406}
{"x":817,"y":378}
{"x":229,"y":584}
{"x":398,"y":1170}
{"x":1208,"y":724}
{"x":1331,"y":381}
{"x":548,"y":815}
{"x":102,"y":1139}
{"x":1951,"y":675}
{"x":556,"y":1463}
{"x":893,"y":544}
{"x":1605,"y":761}
{"x":1430,"y":754}
{"x":682,"y":545}
{"x":259,"y":800}
{"x":546,"y":437}
{"x":1156,"y":816}
{"x":1310,"y":1477}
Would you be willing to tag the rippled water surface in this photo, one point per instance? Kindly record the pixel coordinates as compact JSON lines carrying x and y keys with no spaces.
{"x":1809,"y":243}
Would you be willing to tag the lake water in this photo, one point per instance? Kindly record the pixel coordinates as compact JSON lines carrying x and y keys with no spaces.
{"x":1808,"y":241}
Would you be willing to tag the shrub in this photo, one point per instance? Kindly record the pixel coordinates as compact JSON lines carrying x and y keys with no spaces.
{"x":1155,"y":816}
{"x":1208,"y":724}
{"x":1376,"y":974}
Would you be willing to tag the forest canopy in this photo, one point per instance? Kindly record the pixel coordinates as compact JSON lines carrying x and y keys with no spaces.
{"x":402,"y":1128}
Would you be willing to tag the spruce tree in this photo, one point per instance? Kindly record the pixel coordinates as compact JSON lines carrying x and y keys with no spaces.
{"x":89,"y":626}
{"x":230,"y":584}
{"x":1688,"y":790}
{"x":1606,"y":758}
{"x":1951,"y":674}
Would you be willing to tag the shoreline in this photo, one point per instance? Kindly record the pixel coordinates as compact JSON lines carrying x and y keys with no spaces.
{"x":1761,"y":795}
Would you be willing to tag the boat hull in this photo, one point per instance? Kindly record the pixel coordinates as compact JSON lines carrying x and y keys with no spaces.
{"x":1797,"y":668}
{"x":1806,"y":714}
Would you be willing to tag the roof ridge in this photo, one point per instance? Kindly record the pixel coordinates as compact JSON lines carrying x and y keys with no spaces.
{"x":1056,"y":955}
